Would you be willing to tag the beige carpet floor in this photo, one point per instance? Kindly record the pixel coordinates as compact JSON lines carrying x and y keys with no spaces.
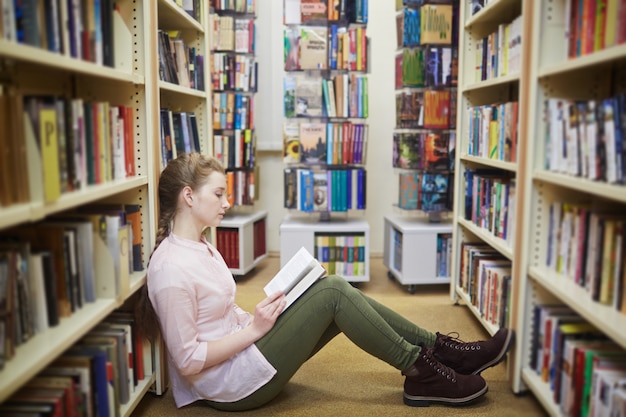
{"x":342,"y":380}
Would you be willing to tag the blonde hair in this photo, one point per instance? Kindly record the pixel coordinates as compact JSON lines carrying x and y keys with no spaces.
{"x":188,"y":169}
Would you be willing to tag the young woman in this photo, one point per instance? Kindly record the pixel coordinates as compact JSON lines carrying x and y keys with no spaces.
{"x":233,"y":360}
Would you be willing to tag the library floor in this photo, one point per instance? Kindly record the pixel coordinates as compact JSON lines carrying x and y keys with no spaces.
{"x":343,"y":380}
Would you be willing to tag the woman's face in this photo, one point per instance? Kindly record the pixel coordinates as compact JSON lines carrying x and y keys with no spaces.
{"x":210,"y":201}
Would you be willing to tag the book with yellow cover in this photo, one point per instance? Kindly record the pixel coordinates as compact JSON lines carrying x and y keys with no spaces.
{"x":436,"y":24}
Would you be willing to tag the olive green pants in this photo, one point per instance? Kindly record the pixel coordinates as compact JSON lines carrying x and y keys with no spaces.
{"x":332,"y":306}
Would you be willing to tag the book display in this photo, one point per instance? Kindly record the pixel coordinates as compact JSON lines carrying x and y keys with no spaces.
{"x":77,"y":206}
{"x":325,"y":131}
{"x":234,"y":75}
{"x":426,"y":83}
{"x":424,"y":139}
{"x":574,"y":209}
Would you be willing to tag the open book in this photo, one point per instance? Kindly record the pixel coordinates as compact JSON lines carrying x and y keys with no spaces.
{"x":298,"y":274}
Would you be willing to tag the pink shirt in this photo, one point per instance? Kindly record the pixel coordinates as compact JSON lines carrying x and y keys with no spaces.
{"x":193,"y":293}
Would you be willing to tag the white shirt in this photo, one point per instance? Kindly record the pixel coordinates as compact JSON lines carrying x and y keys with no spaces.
{"x":193,"y":293}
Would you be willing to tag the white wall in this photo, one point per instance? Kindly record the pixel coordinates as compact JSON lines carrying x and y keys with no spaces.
{"x":382,"y":180}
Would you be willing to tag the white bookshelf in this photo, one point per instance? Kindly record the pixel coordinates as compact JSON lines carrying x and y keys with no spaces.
{"x":250,"y":241}
{"x":298,"y":232}
{"x":413,"y":253}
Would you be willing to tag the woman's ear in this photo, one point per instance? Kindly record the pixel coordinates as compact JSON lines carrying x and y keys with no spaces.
{"x":187,"y":194}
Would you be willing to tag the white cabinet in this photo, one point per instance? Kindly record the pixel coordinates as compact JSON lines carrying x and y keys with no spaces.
{"x":416,"y":251}
{"x":242,"y":240}
{"x":340,"y":237}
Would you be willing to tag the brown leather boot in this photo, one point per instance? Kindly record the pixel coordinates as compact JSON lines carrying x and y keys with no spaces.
{"x":430,"y":381}
{"x":474,"y":357}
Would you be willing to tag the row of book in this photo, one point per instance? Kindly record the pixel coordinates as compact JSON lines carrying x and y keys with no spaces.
{"x":234,"y":72}
{"x":179,"y":134}
{"x":485,"y":276}
{"x":587,"y":246}
{"x":233,"y":111}
{"x":427,"y":109}
{"x":586,"y":138}
{"x":585,"y":371}
{"x":425,"y":192}
{"x":85,"y":34}
{"x":341,"y":254}
{"x":180,"y":63}
{"x":427,"y":151}
{"x":490,"y":202}
{"x":235,"y":149}
{"x":52,"y":269}
{"x":322,"y":47}
{"x":241,"y":187}
{"x":499,"y":53}
{"x":228,"y":243}
{"x":323,"y":11}
{"x":77,"y":142}
{"x":94,"y":377}
{"x":336,"y":190}
{"x":319,"y":143}
{"x":233,"y":33}
{"x":592,"y":26}
{"x":192,"y":7}
{"x":425,"y":24}
{"x":344,"y":95}
{"x":427,"y":66}
{"x":238,"y":6}
{"x":493,"y":131}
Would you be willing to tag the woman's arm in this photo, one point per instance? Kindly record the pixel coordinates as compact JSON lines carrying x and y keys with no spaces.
{"x":177,"y":309}
{"x":265,"y":315}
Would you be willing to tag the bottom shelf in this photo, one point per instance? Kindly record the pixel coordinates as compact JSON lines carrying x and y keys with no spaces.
{"x":141,"y":389}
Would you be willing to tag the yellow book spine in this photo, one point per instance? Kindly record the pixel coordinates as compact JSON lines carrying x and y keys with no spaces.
{"x":50,"y":153}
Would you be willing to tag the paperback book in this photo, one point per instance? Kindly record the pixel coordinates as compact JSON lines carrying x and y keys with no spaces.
{"x":298,"y":274}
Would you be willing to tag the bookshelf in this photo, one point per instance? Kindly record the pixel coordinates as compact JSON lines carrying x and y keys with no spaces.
{"x":341,"y":246}
{"x":417,"y":252}
{"x":490,"y":174}
{"x":182,"y":43}
{"x":241,"y":239}
{"x":234,"y":76}
{"x":115,"y":82}
{"x":573,"y":184}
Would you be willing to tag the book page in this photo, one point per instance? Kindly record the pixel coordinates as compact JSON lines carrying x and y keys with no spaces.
{"x":296,"y":276}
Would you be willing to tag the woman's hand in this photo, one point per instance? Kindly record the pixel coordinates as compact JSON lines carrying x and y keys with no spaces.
{"x":267,"y":311}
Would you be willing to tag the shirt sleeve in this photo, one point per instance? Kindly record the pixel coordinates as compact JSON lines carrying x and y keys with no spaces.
{"x":177,"y":309}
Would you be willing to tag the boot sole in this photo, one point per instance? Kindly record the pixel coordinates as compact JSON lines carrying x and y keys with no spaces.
{"x":424,"y":401}
{"x":505,"y":348}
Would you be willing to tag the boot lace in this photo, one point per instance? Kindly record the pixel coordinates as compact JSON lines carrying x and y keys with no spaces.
{"x":452,"y":340}
{"x":439,"y":367}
